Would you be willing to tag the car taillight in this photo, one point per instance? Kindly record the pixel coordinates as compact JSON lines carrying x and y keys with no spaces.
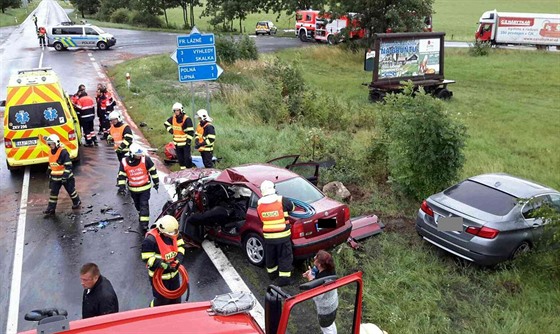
{"x":71,"y":135}
{"x":7,"y":143}
{"x":426,"y":208}
{"x":297,"y":230}
{"x":483,"y":232}
{"x":346,"y":213}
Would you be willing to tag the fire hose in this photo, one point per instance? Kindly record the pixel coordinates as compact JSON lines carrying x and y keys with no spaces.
{"x":308,"y":210}
{"x":171,"y":294}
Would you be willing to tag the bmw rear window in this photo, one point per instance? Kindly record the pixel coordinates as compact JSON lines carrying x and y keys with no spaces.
{"x":32,"y":116}
{"x":299,"y":188}
{"x":482,"y":197}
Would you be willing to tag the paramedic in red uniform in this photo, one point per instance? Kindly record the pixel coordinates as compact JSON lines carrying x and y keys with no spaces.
{"x":273,"y":212}
{"x":163,"y":249}
{"x":86,"y":107}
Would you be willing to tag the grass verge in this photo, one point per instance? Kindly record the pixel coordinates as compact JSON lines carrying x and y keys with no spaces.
{"x":411,"y":287}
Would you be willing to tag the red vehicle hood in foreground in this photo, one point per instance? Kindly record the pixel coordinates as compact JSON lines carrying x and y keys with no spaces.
{"x":177,"y":319}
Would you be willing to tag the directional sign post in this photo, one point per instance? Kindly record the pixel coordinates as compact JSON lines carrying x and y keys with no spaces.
{"x":196,"y":60}
{"x":190,"y":73}
{"x":196,"y":55}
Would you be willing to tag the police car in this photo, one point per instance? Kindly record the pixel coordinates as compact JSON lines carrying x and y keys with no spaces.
{"x":67,"y":35}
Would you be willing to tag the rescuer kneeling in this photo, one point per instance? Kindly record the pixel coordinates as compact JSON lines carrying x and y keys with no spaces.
{"x":163,"y":249}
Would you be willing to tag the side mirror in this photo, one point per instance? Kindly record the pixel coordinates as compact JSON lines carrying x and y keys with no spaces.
{"x":3,"y":103}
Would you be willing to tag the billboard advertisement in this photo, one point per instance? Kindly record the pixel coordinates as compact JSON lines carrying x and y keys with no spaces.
{"x":413,"y":56}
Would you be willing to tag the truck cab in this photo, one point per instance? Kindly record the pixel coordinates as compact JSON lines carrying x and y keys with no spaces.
{"x":485,"y":31}
{"x":284,"y":313}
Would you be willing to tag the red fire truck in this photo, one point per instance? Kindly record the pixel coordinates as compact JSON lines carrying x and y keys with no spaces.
{"x":312,"y":25}
{"x":229,"y":313}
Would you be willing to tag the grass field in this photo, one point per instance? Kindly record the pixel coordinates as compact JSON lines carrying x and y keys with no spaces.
{"x":459,"y":18}
{"x":411,"y":287}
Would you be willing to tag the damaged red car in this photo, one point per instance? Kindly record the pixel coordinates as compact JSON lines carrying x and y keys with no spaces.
{"x":222,"y":205}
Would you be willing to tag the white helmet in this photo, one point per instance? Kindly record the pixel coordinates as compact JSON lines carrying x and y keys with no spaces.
{"x":53,"y":139}
{"x":267,"y":188}
{"x":136,"y":150}
{"x":168,"y":225}
{"x":203,"y":114}
{"x":179,"y":106}
{"x":115,"y":115}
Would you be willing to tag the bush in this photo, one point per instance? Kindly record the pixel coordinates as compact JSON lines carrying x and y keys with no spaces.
{"x":142,"y":19}
{"x":480,"y":49}
{"x":226,"y":49}
{"x":267,"y":103}
{"x":120,"y":16}
{"x":229,"y":50}
{"x":423,"y":144}
{"x":247,"y":48}
{"x":291,"y":84}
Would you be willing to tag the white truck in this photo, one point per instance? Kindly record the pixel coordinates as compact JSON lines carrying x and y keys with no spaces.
{"x":501,"y":28}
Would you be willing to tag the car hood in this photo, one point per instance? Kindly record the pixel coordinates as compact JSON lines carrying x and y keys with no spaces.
{"x":191,"y":174}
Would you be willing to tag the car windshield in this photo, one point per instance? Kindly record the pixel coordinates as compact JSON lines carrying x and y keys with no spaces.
{"x":40,"y":115}
{"x":482,"y":197}
{"x":299,"y":188}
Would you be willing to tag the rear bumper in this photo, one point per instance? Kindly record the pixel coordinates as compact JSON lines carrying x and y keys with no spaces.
{"x":306,"y":248}
{"x":430,"y":234}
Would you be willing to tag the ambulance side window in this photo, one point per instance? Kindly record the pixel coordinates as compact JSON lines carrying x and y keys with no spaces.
{"x":91,"y":31}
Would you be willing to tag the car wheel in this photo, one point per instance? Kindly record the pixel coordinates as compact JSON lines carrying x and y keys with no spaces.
{"x":102,"y":46}
{"x":330,"y":40}
{"x":443,"y":94}
{"x":10,"y":168}
{"x":302,"y":36}
{"x":58,"y":46}
{"x":253,"y":245}
{"x":523,"y":248}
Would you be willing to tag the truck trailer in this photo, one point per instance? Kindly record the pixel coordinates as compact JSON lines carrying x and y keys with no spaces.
{"x":501,"y":28}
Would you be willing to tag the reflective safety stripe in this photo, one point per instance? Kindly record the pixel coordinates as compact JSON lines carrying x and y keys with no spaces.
{"x":271,"y":270}
{"x":284,"y":274}
{"x":277,"y":235}
{"x":164,"y":276}
{"x":147,"y":255}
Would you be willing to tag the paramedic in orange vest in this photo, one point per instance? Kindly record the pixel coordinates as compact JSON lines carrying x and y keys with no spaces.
{"x":138,"y":171}
{"x":106,"y":105}
{"x":120,"y":134}
{"x":163,"y":249}
{"x":42,"y":35}
{"x":86,"y":107}
{"x":60,"y":175}
{"x":181,"y":127}
{"x":273,"y":212}
{"x":205,"y":138}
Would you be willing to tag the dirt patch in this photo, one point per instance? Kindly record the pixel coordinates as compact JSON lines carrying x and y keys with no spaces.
{"x":358,"y":193}
{"x":512,"y":287}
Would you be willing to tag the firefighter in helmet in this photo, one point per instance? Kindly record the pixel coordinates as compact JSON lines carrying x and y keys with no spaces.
{"x":138,"y":171}
{"x":60,"y":175}
{"x":163,"y":249}
{"x":273,"y":211}
{"x":120,"y":134}
{"x":205,"y":137}
{"x":181,"y":127}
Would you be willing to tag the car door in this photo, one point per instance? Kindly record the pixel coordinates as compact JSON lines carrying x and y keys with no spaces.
{"x":530,"y":212}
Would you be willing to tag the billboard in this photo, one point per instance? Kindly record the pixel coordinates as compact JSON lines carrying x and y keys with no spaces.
{"x":408,"y":56}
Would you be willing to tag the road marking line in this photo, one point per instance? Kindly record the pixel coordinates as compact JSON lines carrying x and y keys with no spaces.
{"x":13,"y":307}
{"x":41,"y":58}
{"x":232,"y":278}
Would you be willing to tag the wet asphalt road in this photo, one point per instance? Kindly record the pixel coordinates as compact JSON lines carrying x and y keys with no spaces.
{"x":54,"y":249}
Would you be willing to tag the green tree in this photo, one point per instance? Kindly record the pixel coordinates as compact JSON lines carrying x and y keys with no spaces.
{"x":86,"y":6}
{"x":226,"y":11}
{"x":107,"y":7}
{"x":5,"y":4}
{"x":290,"y":6}
{"x":379,"y":15}
{"x":152,"y":7}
